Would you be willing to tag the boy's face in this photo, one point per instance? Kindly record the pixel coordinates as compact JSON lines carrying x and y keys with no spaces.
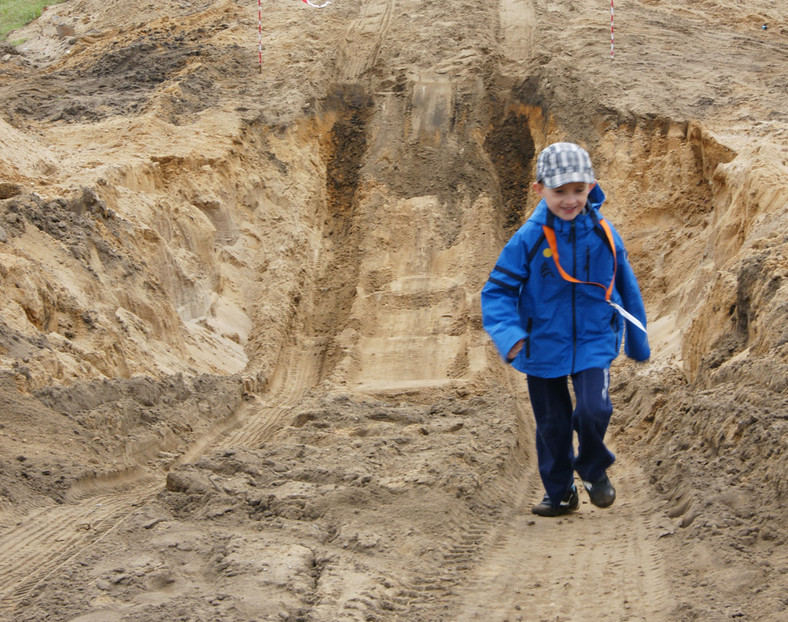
{"x":565,"y":201}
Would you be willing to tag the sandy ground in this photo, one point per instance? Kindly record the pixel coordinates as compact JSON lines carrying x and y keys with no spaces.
{"x":242,"y":370}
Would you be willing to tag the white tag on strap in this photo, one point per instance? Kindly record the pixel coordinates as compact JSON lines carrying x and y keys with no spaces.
{"x":628,"y":316}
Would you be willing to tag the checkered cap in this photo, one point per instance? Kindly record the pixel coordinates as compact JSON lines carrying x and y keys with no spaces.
{"x":563,"y":163}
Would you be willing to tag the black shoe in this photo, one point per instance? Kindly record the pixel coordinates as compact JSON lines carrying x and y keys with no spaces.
{"x":601,"y":492}
{"x":568,"y":504}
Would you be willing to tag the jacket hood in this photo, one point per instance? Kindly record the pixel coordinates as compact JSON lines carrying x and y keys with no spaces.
{"x":595,"y":199}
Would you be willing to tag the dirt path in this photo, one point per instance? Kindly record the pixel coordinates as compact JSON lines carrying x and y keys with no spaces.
{"x":507,"y":566}
{"x":592,"y":565}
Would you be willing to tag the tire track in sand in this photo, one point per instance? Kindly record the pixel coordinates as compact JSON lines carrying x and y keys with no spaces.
{"x":299,"y":372}
{"x":46,"y":540}
{"x":593,"y":564}
{"x":434,"y":592}
{"x":363,"y":40}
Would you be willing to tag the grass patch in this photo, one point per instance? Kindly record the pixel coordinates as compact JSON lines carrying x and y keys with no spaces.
{"x":16,"y":13}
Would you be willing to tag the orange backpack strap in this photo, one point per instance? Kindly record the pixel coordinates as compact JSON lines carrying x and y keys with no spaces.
{"x":549,"y":235}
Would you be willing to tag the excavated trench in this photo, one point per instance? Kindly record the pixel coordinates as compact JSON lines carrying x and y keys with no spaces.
{"x":288,"y":330}
{"x":374,"y":328}
{"x":335,"y":231}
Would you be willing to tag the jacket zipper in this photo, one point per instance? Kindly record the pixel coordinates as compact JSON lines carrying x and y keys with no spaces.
{"x":573,"y":239}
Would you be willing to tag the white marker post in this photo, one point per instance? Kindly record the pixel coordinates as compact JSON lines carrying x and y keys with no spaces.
{"x":612,"y":48}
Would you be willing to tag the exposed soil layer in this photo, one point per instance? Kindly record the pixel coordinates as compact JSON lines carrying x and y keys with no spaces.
{"x":242,"y":369}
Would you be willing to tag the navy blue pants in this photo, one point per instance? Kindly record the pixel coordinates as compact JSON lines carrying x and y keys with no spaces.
{"x":557,"y":420}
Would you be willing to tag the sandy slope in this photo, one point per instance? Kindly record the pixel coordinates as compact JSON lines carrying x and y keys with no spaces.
{"x":243,"y":375}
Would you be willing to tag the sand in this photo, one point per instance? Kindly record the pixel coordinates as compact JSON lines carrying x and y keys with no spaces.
{"x":242,"y":369}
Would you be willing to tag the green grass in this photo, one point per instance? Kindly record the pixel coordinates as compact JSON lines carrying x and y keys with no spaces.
{"x":16,"y":13}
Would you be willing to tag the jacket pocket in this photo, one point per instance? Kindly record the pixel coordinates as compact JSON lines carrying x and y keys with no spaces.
{"x":588,"y":264}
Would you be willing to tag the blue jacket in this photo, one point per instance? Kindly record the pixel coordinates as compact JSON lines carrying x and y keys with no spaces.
{"x":567,"y":327}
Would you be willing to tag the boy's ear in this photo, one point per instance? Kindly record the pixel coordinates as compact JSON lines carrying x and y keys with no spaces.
{"x":538,"y":188}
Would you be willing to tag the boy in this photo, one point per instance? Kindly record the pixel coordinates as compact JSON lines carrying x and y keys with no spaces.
{"x":556,"y":305}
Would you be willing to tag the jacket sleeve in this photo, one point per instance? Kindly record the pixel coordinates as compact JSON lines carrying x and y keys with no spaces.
{"x":501,"y":294}
{"x":636,"y":344}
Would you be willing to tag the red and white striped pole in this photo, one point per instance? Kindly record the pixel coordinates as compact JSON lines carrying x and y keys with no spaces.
{"x":612,"y":47}
{"x":260,"y":34}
